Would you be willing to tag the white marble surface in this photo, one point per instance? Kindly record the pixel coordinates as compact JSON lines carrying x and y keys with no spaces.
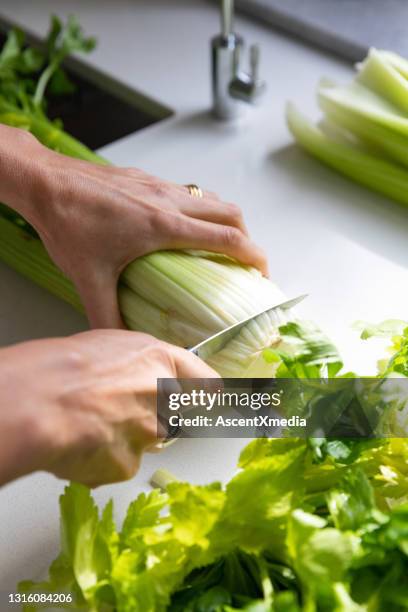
{"x":343,"y":245}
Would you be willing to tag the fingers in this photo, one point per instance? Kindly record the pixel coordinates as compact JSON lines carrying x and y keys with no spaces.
{"x":189,"y":365}
{"x":203,"y":223}
{"x":216,"y":212}
{"x":106,"y":466}
{"x":197,"y":234}
{"x":211,"y":208}
{"x":100,"y":300}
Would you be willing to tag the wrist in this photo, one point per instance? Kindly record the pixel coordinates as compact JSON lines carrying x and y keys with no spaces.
{"x":23,"y":173}
{"x":23,"y":429}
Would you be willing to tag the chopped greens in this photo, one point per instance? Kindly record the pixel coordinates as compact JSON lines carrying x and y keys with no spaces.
{"x":316,"y":525}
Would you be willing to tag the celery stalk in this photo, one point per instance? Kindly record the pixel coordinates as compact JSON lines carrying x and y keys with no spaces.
{"x":48,"y":133}
{"x":397,"y":62}
{"x":199,"y":293}
{"x":363,"y":168}
{"x":363,"y":102}
{"x":26,"y":254}
{"x":378,"y":73}
{"x":243,"y":356}
{"x":376,"y":137}
{"x":180,"y":297}
{"x":364,"y":132}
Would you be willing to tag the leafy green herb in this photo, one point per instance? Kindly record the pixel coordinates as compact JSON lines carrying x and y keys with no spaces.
{"x":28,"y":73}
{"x":286,"y":533}
{"x":397,"y":332}
{"x":61,"y":42}
{"x":25,"y":72}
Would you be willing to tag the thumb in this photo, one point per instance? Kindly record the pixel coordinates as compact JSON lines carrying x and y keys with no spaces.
{"x":99,"y":296}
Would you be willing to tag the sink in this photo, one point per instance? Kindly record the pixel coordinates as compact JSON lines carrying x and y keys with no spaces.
{"x":102,"y":109}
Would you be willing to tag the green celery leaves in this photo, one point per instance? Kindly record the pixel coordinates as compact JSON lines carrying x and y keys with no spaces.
{"x":316,"y":525}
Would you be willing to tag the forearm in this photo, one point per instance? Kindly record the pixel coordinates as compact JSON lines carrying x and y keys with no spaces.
{"x":20,"y":445}
{"x":23,"y":173}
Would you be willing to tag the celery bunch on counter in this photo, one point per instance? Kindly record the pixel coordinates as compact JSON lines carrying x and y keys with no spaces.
{"x":317,"y":525}
{"x":364,"y":131}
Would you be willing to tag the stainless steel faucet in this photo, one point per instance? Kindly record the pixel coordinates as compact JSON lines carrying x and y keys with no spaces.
{"x":230,"y":85}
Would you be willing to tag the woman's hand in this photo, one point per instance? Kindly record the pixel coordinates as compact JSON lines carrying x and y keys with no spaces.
{"x":84,"y":407}
{"x":94,"y":220}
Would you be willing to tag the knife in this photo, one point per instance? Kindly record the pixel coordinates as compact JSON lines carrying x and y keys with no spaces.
{"x":215,"y":343}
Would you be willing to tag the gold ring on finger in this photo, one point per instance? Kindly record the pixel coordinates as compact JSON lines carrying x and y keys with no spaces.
{"x":195,"y":191}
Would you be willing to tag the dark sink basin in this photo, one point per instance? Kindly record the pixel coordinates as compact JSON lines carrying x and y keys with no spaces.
{"x":101,"y":110}
{"x":98,"y":114}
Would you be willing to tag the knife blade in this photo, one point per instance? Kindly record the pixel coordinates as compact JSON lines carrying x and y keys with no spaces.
{"x":215,"y":343}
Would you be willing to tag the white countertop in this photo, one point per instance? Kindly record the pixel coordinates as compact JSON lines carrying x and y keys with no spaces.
{"x":342,"y":244}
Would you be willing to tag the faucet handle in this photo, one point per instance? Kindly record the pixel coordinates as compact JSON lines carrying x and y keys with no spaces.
{"x":230,"y":83}
{"x":249,"y":87}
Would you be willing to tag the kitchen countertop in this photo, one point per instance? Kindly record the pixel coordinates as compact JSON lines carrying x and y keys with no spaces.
{"x":342,"y":244}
